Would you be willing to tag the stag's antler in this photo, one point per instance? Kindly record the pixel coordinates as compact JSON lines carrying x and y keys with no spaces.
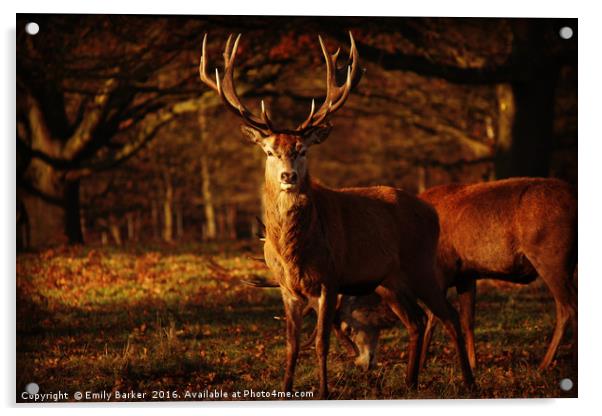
{"x":335,"y":95}
{"x":226,"y":89}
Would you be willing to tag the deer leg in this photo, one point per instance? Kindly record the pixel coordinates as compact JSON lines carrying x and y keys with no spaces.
{"x":412,"y":317}
{"x":294,"y":315}
{"x":466,"y":289}
{"x":436,"y":301}
{"x":565,"y":296}
{"x":562,"y":318}
{"x":344,"y":340}
{"x":573,"y":312}
{"x":366,"y":341}
{"x":326,"y":312}
{"x":565,"y":309}
{"x":574,"y":319}
{"x":575,"y":337}
{"x":306,"y":311}
{"x":428,"y":336}
{"x":310,"y":340}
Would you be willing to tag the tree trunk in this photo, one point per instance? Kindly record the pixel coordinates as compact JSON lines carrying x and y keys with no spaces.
{"x":534,"y":89}
{"x":23,"y":240}
{"x":138,"y":225}
{"x":155,"y":219}
{"x":72,"y":213}
{"x":533,"y":125}
{"x":208,"y":204}
{"x":46,"y":222}
{"x":131,"y":226}
{"x":53,"y":207}
{"x":210,"y":229}
{"x":82,"y":223}
{"x":179,"y":222}
{"x":221,"y":222}
{"x":168,"y":209}
{"x":115,"y":230}
{"x":503,"y":142}
{"x":231,"y":221}
{"x":254,"y":228}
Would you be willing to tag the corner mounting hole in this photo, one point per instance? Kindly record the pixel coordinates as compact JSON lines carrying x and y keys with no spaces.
{"x":566,"y":384}
{"x":566,"y":32}
{"x":32,"y":388}
{"x":32,"y":28}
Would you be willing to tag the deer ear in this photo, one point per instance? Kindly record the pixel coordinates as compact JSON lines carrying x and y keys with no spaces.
{"x":318,"y":134}
{"x":252,"y":135}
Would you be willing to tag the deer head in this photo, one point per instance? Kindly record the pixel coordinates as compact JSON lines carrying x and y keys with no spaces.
{"x":286,"y":149}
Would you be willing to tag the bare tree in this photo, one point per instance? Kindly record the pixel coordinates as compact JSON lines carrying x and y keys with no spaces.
{"x":88,"y":101}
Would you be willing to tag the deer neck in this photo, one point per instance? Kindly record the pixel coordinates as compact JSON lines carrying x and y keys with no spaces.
{"x":291,"y":220}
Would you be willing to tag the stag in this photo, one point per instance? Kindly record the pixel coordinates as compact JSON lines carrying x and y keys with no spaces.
{"x":514,"y":230}
{"x":322,"y":242}
{"x":358,"y":319}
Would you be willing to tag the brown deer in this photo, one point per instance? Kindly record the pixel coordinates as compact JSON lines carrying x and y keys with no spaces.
{"x":323,"y":242}
{"x":477,"y":242}
{"x":358,"y":319}
{"x":515,"y":230}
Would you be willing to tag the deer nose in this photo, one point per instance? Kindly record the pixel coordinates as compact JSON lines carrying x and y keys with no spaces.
{"x":288,"y":177}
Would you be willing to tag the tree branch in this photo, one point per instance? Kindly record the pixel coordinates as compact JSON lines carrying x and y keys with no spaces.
{"x":84,"y":132}
{"x":151,"y":126}
{"x":425,"y":67}
{"x":41,"y":139}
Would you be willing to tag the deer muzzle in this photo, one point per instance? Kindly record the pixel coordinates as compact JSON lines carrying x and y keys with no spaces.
{"x":288,"y":181}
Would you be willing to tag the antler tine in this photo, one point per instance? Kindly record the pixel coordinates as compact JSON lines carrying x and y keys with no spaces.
{"x":329,"y":73}
{"x":230,"y":95}
{"x":227,"y":51}
{"x":234,"y":49}
{"x":353,"y":48}
{"x":354,"y":57}
{"x":330,"y":61}
{"x":335,"y":56}
{"x":265,"y":117}
{"x":203,"y":67}
{"x":322,"y":117}
{"x":225,"y":87}
{"x":304,"y":125}
{"x":217,"y":82}
{"x":345,"y":93}
{"x":335,"y":95}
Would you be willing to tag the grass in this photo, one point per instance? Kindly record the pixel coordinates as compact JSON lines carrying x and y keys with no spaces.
{"x":179,"y":319}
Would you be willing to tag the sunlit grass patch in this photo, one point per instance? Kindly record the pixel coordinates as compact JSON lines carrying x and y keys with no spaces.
{"x":180,"y":318}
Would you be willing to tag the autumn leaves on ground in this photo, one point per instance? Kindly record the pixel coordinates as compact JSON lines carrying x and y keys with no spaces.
{"x":181,"y":319}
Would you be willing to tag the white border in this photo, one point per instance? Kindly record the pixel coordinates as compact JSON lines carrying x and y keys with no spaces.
{"x":590,"y":95}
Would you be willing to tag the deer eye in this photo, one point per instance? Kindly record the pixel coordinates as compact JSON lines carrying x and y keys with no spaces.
{"x":270,"y":153}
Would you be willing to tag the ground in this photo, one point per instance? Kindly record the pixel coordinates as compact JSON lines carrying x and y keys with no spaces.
{"x":169,"y":320}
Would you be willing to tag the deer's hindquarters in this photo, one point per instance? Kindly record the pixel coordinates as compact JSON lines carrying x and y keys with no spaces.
{"x":516,"y":230}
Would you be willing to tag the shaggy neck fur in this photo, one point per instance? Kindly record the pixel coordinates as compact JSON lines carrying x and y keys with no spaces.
{"x":291,"y":221}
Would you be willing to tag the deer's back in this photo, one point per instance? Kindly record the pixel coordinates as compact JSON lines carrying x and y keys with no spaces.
{"x":374,"y":231}
{"x":500,"y":228}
